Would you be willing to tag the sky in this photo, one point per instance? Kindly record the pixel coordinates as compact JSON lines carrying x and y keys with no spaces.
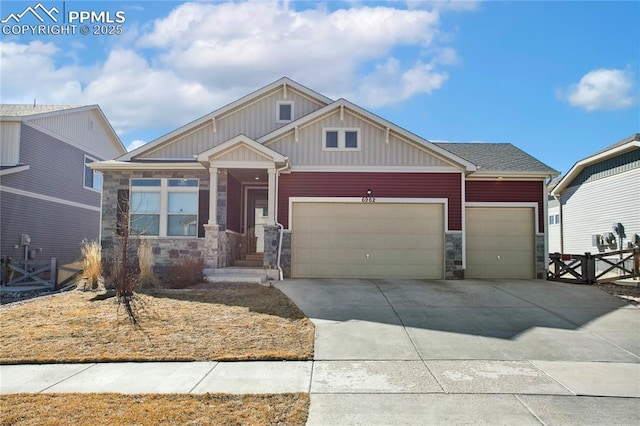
{"x":559,"y":80}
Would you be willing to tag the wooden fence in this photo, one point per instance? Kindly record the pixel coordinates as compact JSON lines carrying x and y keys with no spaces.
{"x":590,"y":268}
{"x":35,"y":273}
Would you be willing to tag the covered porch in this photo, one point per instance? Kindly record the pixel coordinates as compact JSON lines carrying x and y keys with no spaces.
{"x":241,"y":200}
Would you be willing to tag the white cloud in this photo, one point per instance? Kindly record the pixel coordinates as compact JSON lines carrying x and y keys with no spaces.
{"x":390,"y":84}
{"x":204,"y":55}
{"x":29,"y":72}
{"x":603,"y":89}
{"x":228,"y":43}
{"x":135,"y":144}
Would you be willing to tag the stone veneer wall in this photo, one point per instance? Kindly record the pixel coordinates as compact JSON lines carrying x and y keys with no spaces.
{"x":453,"y":257}
{"x":541,"y":258}
{"x":271,"y":239}
{"x":167,"y":250}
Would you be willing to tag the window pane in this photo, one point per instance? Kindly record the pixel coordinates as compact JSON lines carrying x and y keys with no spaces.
{"x":88,"y":175}
{"x":183,"y":202}
{"x":285,"y":112}
{"x":145,"y":202}
{"x":182,"y":225}
{"x":557,"y":218}
{"x":184,"y":182}
{"x":97,"y":180}
{"x":551,"y":220}
{"x":145,"y":224}
{"x":145,"y":182}
{"x":331,"y":140}
{"x":350,"y":139}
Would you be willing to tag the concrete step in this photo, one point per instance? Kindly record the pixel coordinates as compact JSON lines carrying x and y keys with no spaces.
{"x":236,"y":275}
{"x":248,"y":263}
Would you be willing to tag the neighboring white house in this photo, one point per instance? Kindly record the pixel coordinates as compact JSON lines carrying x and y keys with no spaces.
{"x":598,"y":193}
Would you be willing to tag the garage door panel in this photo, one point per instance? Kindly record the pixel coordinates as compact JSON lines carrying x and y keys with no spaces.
{"x":334,"y":239}
{"x":500,"y":243}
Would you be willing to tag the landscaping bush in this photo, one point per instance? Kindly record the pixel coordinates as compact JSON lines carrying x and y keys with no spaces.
{"x":185,"y":273}
{"x":146,"y":277}
{"x":91,"y":263}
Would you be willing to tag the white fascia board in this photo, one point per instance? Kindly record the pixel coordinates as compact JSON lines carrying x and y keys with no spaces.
{"x":247,"y":99}
{"x":510,"y":175}
{"x":125,"y":165}
{"x":115,"y":138}
{"x":417,"y":140}
{"x":580,"y":165}
{"x":375,"y":169}
{"x":12,"y":170}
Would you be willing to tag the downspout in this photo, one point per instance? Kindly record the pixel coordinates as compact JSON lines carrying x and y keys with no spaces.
{"x":275,"y":216}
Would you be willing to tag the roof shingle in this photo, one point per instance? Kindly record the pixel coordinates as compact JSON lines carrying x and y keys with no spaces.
{"x":496,"y":157}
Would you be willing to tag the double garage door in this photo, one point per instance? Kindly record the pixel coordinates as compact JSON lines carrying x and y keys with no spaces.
{"x":376,"y":240}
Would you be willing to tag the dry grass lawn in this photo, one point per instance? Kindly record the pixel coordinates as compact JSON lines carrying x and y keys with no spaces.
{"x":111,"y":409}
{"x":217,"y":322}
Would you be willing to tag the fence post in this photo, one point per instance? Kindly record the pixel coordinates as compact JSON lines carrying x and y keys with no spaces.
{"x":636,"y":262}
{"x":54,"y":273}
{"x":590,"y":266}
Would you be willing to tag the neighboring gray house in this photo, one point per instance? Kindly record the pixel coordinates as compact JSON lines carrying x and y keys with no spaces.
{"x":598,"y":192}
{"x":47,"y":190}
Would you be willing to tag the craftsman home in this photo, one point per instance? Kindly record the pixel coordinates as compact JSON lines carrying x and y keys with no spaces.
{"x":49,"y":197}
{"x":320,"y":188}
{"x":598,"y":193}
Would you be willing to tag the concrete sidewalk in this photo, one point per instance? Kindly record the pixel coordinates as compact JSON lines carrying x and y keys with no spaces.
{"x":376,"y":392}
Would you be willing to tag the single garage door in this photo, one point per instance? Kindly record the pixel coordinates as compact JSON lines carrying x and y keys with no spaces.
{"x":377,"y":240}
{"x":500,"y":243}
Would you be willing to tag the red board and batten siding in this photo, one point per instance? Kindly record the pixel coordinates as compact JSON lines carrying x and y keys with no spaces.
{"x":392,"y":185}
{"x":507,"y":192}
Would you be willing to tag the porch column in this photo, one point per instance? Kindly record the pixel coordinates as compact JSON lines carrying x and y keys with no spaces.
{"x":213,"y":196}
{"x":271,"y":219}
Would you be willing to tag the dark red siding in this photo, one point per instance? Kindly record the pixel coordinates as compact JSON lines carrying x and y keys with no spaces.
{"x":234,"y":204}
{"x":507,"y":191}
{"x":392,"y":185}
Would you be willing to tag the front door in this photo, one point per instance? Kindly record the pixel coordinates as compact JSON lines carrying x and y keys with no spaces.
{"x":256,"y":217}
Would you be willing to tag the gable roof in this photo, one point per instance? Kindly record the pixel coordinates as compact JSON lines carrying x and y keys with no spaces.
{"x":240,"y":141}
{"x":627,"y":144}
{"x":502,"y":158}
{"x":221,"y":111}
{"x":28,"y":112}
{"x":343,"y":103}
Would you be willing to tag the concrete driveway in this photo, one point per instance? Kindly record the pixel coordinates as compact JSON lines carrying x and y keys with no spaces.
{"x":488,"y":352}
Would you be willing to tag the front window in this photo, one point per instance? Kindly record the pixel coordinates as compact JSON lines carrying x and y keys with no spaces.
{"x":164,"y":207}
{"x":92,"y":178}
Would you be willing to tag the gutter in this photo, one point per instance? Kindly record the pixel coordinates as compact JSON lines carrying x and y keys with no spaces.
{"x":275,"y":216}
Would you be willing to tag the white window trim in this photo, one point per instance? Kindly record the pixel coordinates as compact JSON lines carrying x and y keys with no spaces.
{"x":341,"y":138}
{"x":93,"y":173}
{"x":164,"y":214}
{"x":278,"y":103}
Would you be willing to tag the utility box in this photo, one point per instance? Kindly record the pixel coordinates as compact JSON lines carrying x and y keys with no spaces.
{"x":25,"y":239}
{"x":597,"y":240}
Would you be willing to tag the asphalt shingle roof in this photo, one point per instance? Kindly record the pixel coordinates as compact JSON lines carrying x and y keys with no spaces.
{"x":24,"y":110}
{"x":496,"y":157}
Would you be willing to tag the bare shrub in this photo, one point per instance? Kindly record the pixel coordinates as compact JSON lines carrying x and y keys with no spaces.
{"x":146,"y":278}
{"x":91,"y":263}
{"x":185,"y":273}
